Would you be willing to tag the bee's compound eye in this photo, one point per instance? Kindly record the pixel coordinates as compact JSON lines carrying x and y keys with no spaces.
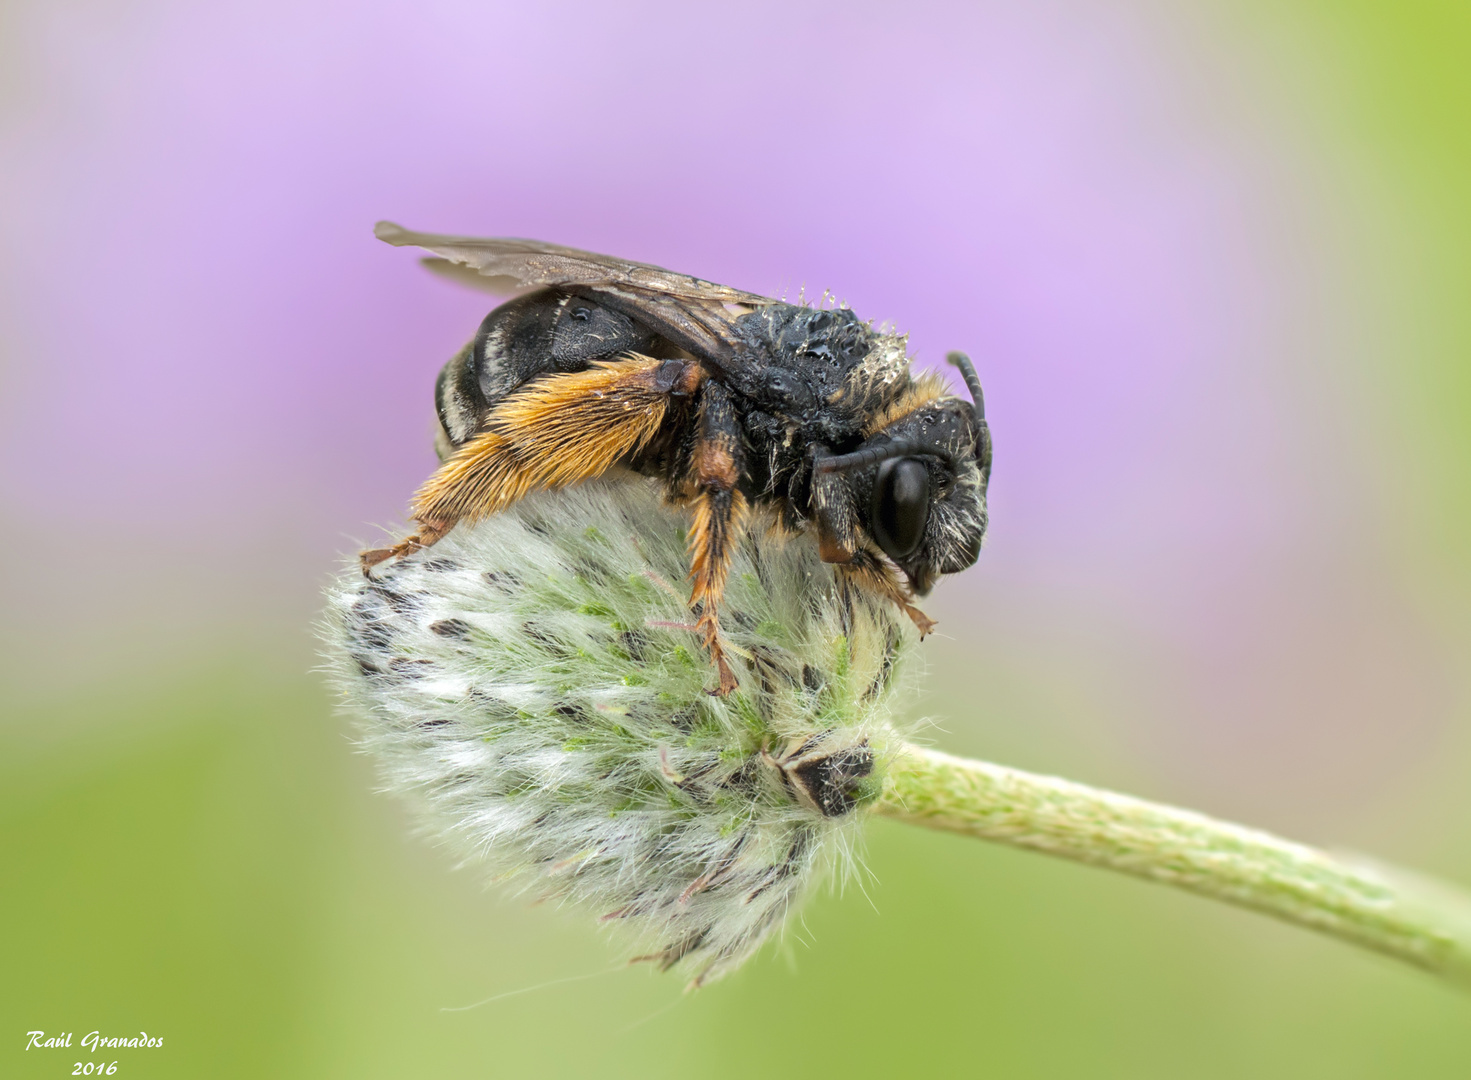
{"x":901,"y":506}
{"x":581,"y":314}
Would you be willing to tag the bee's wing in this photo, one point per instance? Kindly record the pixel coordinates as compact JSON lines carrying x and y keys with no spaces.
{"x":506,"y":264}
{"x":471,"y":278}
{"x":691,"y":313}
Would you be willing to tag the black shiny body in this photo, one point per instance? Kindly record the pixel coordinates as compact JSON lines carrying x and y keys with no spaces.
{"x":786,"y":386}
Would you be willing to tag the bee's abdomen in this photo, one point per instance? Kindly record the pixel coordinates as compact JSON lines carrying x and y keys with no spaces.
{"x":541,"y":333}
{"x":457,"y":401}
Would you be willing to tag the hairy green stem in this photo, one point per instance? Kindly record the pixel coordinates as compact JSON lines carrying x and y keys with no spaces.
{"x":1413,"y":920}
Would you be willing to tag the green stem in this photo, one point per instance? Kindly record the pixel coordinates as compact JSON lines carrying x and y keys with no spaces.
{"x":1412,"y":920}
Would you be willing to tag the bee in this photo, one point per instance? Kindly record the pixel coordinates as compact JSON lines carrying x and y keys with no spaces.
{"x":731,"y":399}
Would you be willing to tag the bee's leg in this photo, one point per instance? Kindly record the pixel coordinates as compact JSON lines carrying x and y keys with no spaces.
{"x":870,"y":574}
{"x":478,"y":479}
{"x":833,"y":511}
{"x":426,"y":535}
{"x":719,"y":510}
{"x":555,"y":431}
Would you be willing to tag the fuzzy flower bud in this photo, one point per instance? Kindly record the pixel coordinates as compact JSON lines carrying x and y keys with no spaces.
{"x":533,"y":682}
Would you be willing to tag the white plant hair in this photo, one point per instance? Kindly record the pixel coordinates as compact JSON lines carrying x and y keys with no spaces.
{"x":534,"y":684}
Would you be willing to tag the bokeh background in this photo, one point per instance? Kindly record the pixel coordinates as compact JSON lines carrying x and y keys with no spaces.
{"x":1214,"y":264}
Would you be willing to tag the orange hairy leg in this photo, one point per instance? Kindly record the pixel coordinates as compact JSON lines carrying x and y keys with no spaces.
{"x":719,"y":512}
{"x":556,"y":431}
{"x":873,"y":575}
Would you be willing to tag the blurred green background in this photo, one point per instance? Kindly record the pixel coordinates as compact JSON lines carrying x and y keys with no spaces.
{"x":191,"y":847}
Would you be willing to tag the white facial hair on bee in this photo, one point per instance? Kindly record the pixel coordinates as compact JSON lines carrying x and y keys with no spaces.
{"x":535,"y":685}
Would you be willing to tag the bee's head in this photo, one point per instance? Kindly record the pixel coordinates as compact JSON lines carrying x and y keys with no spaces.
{"x":918,"y":485}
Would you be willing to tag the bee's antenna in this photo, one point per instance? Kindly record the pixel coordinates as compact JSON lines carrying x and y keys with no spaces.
{"x":872,"y":455}
{"x":972,"y":380}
